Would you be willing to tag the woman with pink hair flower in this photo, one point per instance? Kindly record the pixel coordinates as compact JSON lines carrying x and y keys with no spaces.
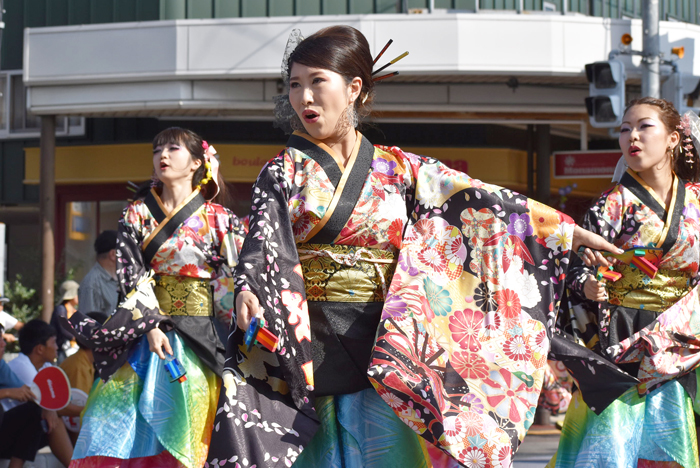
{"x":160,"y":356}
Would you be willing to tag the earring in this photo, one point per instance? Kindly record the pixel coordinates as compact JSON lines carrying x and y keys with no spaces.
{"x":296,"y":124}
{"x":351,"y":114}
{"x":154,"y":180}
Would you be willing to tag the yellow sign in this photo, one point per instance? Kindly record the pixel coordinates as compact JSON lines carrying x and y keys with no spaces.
{"x":100,"y":164}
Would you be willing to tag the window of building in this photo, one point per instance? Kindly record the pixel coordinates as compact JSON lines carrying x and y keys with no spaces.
{"x":17,"y":122}
{"x":84,"y":221}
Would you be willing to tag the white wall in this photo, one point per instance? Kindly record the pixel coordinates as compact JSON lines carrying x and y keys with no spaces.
{"x":161,"y":65}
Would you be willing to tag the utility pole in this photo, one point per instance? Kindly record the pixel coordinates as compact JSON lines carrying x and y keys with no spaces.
{"x":650,"y":49}
{"x":47,"y":212}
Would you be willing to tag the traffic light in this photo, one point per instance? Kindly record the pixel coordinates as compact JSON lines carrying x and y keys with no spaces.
{"x":606,"y":102}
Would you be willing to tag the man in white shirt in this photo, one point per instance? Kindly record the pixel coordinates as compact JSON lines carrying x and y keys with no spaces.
{"x":37,"y":345}
{"x":38,"y":349}
{"x":8,"y":322}
{"x":21,"y":433}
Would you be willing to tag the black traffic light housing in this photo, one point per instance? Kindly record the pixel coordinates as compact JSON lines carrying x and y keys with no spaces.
{"x":606,"y":100}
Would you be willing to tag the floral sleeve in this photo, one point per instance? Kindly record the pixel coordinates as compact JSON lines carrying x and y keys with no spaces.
{"x":138,"y":311}
{"x":270,"y":392}
{"x":230,"y":234}
{"x":129,"y":257}
{"x":603,"y":218}
{"x":462,"y":347}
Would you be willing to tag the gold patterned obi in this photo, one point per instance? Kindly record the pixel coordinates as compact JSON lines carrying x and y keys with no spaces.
{"x":343,"y":273}
{"x":182,"y":295}
{"x":637,"y":291}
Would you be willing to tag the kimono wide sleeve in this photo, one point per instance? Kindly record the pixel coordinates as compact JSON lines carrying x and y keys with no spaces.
{"x":669,"y":347}
{"x":229,"y":233}
{"x":581,"y":323}
{"x":137,"y":312}
{"x":266,"y":413}
{"x":462,"y":347}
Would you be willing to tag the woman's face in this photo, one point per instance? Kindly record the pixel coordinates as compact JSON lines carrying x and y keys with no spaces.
{"x":320,"y":98}
{"x":173,"y":162}
{"x":644,"y":140}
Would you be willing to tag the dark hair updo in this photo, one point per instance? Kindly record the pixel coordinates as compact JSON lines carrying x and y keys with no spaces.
{"x":671,"y":119}
{"x":343,"y":50}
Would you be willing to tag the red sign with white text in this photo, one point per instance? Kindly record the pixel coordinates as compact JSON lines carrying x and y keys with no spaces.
{"x":585,"y":164}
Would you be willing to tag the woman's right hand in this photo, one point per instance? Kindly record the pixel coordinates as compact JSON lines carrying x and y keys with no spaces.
{"x":590,"y":239}
{"x":595,"y":290}
{"x":158,"y":342}
{"x":247,"y":307}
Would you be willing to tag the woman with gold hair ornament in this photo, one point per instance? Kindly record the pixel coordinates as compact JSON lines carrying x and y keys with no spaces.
{"x":160,"y":356}
{"x":411,"y":302}
{"x":637,"y":332}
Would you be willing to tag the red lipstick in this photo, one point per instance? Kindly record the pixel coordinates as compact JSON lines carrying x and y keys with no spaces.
{"x":310,"y":116}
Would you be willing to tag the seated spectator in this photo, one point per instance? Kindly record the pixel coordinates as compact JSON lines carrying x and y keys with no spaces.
{"x":21,"y":431}
{"x":81,"y":372}
{"x":10,"y":385}
{"x":38,"y":349}
{"x":66,"y":307}
{"x":8,"y":322}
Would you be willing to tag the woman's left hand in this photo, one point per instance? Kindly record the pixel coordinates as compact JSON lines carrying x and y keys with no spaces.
{"x":595,"y":242}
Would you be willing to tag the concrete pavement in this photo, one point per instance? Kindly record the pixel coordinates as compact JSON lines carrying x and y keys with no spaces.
{"x":538,"y":447}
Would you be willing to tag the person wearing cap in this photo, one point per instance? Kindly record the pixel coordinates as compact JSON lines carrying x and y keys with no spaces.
{"x":66,"y":307}
{"x":98,"y":290}
{"x":8,"y":322}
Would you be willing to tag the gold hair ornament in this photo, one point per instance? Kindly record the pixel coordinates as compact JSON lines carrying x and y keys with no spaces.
{"x":208,"y":176}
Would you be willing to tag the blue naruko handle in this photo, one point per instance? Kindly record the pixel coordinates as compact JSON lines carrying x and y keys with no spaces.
{"x":252,"y":333}
{"x":175,"y":368}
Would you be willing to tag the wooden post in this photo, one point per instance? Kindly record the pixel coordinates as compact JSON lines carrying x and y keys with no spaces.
{"x":530,"y":160}
{"x":47,"y":207}
{"x":543,"y":167}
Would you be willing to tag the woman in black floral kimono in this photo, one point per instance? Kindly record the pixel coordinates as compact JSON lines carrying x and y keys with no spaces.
{"x":409,"y":299}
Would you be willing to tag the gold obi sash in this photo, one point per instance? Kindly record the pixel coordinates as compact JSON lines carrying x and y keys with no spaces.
{"x":637,"y":291}
{"x":182,"y":295}
{"x":342,"y":273}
